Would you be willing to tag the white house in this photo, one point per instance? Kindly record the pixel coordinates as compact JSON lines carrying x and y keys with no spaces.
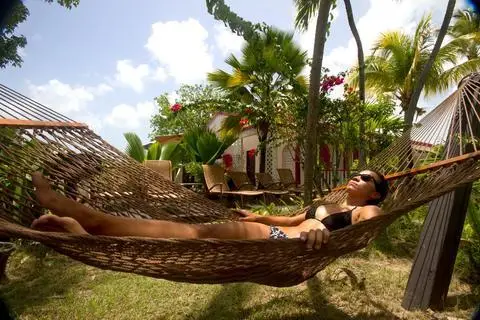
{"x":283,"y":156}
{"x":243,"y":157}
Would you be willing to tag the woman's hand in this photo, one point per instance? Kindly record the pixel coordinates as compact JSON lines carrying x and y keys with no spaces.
{"x":316,"y":236}
{"x":246,"y":216}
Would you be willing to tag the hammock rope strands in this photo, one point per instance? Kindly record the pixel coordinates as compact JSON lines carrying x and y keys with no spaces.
{"x":81,"y":165}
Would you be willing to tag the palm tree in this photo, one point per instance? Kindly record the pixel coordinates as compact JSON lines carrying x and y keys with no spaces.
{"x":398,"y":59}
{"x":305,"y":10}
{"x":420,"y":83}
{"x":270,"y":68}
{"x":465,"y":31}
{"x":361,"y":76}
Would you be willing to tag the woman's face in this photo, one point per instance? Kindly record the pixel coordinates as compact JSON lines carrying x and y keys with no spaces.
{"x":362,"y":185}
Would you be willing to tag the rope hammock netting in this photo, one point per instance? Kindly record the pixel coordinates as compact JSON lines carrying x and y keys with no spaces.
{"x":436,"y":156}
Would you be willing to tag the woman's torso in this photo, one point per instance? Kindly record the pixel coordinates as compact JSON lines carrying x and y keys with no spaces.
{"x":334,"y":216}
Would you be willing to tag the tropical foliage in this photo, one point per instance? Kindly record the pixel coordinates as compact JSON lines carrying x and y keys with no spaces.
{"x":268,"y":73}
{"x":204,"y":145}
{"x":398,"y":58}
{"x":465,"y":32}
{"x":194,"y":107}
{"x":156,"y":151}
{"x":237,"y":24}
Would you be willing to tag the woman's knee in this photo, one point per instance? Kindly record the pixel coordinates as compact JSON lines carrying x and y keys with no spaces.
{"x":202,"y":231}
{"x":97,"y":225}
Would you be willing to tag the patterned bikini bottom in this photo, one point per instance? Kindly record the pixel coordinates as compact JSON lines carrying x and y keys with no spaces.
{"x":276,"y":233}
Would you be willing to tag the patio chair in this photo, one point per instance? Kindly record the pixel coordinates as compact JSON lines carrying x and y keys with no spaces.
{"x":242,"y":182}
{"x":163,"y":167}
{"x":215,"y":184}
{"x":265,"y":180}
{"x":288,"y":181}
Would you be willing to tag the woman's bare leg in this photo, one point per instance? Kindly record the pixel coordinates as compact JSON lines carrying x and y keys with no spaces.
{"x":89,"y":220}
{"x":71,"y":216}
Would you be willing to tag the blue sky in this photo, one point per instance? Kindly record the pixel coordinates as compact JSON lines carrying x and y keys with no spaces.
{"x":103,"y":62}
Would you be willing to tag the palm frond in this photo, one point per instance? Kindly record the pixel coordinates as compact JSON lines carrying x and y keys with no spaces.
{"x":233,"y":62}
{"x":423,"y":38}
{"x":174,"y":152}
{"x":153,"y":152}
{"x":306,"y":9}
{"x":238,"y":79}
{"x":302,"y":81}
{"x":465,"y":22}
{"x":219,"y":78}
{"x":134,"y":146}
{"x":467,"y":45}
{"x":231,"y":125}
{"x":453,"y":75}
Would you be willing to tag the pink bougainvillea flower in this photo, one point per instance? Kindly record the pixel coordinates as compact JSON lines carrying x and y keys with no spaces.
{"x":176,"y":107}
{"x":331,"y":81}
{"x":243,"y":122}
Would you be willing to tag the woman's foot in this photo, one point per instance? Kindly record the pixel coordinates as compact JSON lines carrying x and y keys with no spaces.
{"x":54,"y":223}
{"x":43,"y":192}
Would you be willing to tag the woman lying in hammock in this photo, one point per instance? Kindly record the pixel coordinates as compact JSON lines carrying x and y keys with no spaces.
{"x":365,"y":190}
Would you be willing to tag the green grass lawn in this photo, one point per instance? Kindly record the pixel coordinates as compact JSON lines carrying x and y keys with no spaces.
{"x":56,"y":287}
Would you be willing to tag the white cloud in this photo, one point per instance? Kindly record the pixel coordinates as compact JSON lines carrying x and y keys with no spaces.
{"x":65,"y":98}
{"x":226,"y":41}
{"x":131,"y":76}
{"x":130,"y":117}
{"x":70,"y":100}
{"x":180,"y":47}
{"x":172,"y":97}
{"x":160,"y":74}
{"x":93,"y":121}
{"x":101,"y":89}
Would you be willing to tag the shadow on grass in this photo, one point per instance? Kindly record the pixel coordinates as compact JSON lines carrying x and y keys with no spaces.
{"x":309,"y":305}
{"x":400,"y":239}
{"x":325,"y":310}
{"x":35,"y":280}
{"x":462,"y":301}
{"x":226,"y":304}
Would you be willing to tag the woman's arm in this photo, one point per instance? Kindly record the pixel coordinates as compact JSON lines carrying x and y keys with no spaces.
{"x":248,"y":216}
{"x":369,"y":212}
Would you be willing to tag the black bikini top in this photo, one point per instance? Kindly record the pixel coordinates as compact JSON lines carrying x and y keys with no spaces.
{"x":333,"y":221}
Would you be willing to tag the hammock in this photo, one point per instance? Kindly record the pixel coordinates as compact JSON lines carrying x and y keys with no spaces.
{"x":436,"y":156}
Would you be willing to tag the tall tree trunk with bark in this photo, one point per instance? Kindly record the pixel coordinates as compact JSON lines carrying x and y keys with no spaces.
{"x":263,"y":128}
{"x":420,"y":83}
{"x":312,"y":115}
{"x":361,"y":79}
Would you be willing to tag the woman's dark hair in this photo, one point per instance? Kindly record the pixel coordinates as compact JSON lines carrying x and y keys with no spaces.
{"x":381,"y":187}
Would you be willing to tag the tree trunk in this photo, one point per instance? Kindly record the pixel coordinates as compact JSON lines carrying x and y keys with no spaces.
{"x":263,"y":156}
{"x":428,"y":66}
{"x":312,"y":115}
{"x":408,"y":117}
{"x":263,"y":129}
{"x":361,"y":80}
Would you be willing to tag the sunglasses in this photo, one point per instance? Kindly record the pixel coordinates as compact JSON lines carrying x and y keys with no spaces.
{"x":365,"y":177}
